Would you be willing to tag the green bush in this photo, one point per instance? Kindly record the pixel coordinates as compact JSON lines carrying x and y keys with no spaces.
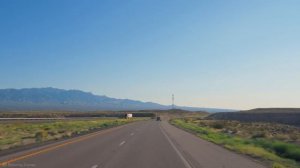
{"x":283,"y":149}
{"x":218,"y":125}
{"x":280,"y":147}
{"x":105,"y":125}
{"x":259,"y":135}
{"x":293,"y":153}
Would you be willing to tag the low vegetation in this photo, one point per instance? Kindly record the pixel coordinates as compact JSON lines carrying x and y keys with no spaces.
{"x":275,"y":144}
{"x":23,"y":133}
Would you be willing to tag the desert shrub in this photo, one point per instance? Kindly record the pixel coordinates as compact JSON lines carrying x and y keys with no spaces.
{"x":294,"y":137}
{"x":61,"y":131}
{"x":218,"y":125}
{"x":47,"y":128}
{"x":188,"y":119}
{"x":52,"y":133}
{"x":204,"y":132}
{"x":105,"y":125}
{"x":41,"y":136}
{"x":259,"y":134}
{"x":68,"y":134}
{"x":281,"y":137}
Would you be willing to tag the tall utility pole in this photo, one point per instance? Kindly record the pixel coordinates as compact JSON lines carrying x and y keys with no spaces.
{"x":173,"y":98}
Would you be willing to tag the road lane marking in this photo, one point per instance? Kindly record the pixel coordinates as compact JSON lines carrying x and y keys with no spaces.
{"x":50,"y":148}
{"x":132,"y":134}
{"x":95,"y":166}
{"x":185,"y":162}
{"x":122,"y":143}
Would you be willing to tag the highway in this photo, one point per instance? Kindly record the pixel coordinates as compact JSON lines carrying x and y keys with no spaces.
{"x":144,"y":144}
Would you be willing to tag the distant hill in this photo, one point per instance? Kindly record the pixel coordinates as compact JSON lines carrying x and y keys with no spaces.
{"x":273,"y":110}
{"x":289,"y":116}
{"x":74,"y":100}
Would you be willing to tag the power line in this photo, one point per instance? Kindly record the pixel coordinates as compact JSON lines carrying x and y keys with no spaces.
{"x":173,"y":99}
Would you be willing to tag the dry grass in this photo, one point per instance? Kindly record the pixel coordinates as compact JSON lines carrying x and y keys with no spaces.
{"x":270,"y":131}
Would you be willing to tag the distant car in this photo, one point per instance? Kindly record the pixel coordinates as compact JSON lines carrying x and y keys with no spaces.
{"x":158,"y":119}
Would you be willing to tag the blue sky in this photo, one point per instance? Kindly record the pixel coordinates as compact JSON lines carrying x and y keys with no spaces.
{"x":233,"y":54}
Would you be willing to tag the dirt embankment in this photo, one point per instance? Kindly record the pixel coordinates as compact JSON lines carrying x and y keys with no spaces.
{"x":283,"y":116}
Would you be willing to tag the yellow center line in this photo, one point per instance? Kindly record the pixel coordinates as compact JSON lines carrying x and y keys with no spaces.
{"x":50,"y":148}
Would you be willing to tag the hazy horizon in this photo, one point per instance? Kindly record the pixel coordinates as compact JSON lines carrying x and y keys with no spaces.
{"x":218,"y":54}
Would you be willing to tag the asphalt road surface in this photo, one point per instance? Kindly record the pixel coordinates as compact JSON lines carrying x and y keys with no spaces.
{"x":145,"y":144}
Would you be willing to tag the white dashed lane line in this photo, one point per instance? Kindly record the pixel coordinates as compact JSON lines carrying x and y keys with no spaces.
{"x":132,"y":134}
{"x":95,"y":166}
{"x":122,"y":143}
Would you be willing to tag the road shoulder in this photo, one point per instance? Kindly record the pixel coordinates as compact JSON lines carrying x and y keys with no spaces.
{"x":201,"y":153}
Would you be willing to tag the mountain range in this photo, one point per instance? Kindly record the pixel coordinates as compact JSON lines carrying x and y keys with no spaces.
{"x":76,"y":100}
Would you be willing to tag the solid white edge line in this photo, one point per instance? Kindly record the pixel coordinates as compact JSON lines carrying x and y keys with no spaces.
{"x":185,"y":162}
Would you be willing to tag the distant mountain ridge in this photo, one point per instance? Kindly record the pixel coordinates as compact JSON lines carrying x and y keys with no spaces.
{"x":60,"y":99}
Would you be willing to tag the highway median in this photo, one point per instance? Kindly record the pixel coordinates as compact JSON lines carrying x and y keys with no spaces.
{"x":19,"y":134}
